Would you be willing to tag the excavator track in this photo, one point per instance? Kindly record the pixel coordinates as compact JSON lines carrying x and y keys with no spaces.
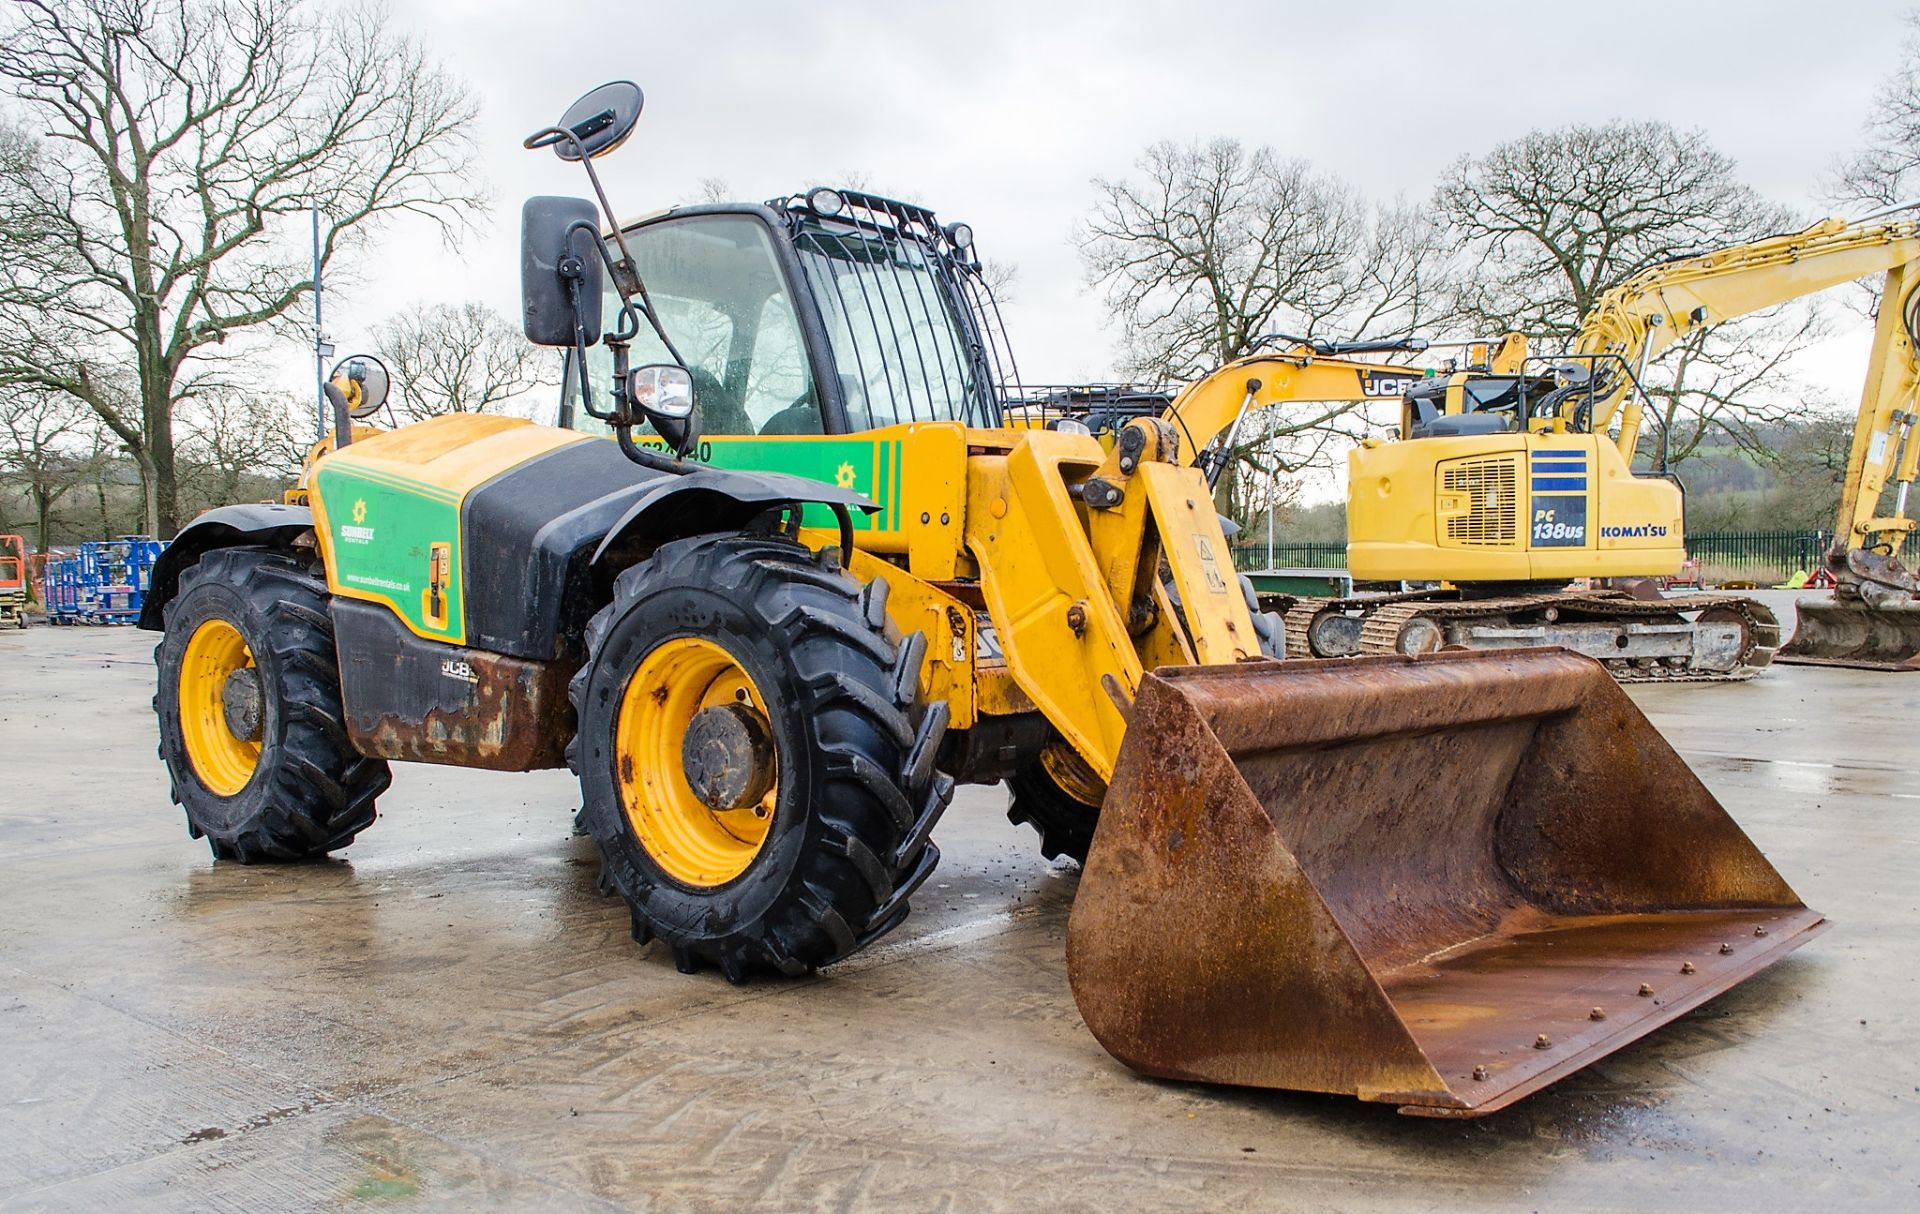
{"x":1384,"y":625}
{"x":1299,"y":618}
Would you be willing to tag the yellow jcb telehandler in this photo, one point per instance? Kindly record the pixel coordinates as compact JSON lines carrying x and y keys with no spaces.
{"x":791,"y":578}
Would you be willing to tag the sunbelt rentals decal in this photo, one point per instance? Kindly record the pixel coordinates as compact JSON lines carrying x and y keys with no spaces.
{"x":357,"y":532}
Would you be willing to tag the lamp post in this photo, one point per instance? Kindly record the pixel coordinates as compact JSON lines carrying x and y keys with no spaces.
{"x":322,"y":348}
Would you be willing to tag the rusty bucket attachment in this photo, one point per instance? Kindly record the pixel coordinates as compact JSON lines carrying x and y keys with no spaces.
{"x":1851,"y":632}
{"x":1441,"y":882}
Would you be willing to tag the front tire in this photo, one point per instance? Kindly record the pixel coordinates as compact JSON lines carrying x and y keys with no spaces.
{"x":249,"y":707}
{"x":1059,"y":796}
{"x":805,"y":843}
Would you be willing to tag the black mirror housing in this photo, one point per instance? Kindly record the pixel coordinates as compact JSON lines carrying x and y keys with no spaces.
{"x":548,"y":236}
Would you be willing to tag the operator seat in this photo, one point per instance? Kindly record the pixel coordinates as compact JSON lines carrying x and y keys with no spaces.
{"x":800,"y":417}
{"x":1461,"y":425}
{"x":720,"y":411}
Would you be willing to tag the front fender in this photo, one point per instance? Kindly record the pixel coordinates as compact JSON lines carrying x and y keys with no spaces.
{"x":722,"y":499}
{"x":221,"y":527}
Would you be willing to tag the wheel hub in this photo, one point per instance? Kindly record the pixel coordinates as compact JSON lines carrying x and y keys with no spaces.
{"x":728,"y":756}
{"x":241,"y":705}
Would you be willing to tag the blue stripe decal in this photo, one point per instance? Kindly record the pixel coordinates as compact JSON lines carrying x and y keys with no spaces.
{"x":1546,"y":466}
{"x":1558,"y":484}
{"x":1545,"y":454}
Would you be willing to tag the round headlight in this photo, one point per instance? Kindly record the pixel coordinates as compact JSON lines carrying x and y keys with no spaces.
{"x":826,"y":201}
{"x":960,"y":236}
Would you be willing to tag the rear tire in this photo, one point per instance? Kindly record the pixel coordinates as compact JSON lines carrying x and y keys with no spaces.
{"x":830,"y":867}
{"x":306,"y":791}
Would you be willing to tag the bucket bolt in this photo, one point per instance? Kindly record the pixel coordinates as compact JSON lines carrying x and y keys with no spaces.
{"x":1543,"y":1042}
{"x":1725,"y":949}
{"x":1077,"y":619}
{"x":1686,"y":967}
{"x":1480,"y":1073}
{"x":1645,"y":989}
{"x":1598,"y":1013}
{"x":1759,"y":931}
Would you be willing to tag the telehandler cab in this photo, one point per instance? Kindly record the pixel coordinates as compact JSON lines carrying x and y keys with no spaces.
{"x":813,"y":581}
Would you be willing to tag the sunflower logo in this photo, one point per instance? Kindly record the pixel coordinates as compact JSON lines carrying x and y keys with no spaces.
{"x":359,"y":511}
{"x":843,"y":477}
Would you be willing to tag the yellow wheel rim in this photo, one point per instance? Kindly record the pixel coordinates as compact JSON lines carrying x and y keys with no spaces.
{"x":223,"y":762}
{"x":1071,"y":773}
{"x":693,"y":843}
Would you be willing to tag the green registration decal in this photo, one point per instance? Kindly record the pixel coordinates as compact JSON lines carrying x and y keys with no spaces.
{"x":870,"y":467}
{"x":382,"y":530}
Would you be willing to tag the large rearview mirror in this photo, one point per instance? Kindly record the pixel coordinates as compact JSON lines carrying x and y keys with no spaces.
{"x":365,"y":382}
{"x":596,"y":124}
{"x":549,"y":237}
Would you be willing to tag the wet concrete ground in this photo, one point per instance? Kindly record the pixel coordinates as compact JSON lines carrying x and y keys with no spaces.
{"x":448,"y":1017}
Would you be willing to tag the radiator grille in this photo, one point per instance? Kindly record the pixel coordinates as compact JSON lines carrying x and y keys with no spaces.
{"x":1491,"y":489}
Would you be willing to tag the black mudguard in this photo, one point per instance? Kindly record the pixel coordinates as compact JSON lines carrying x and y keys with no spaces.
{"x":221,"y":527}
{"x":720,"y":499}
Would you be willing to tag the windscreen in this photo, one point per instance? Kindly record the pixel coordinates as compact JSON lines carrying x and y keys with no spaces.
{"x":902,"y":348}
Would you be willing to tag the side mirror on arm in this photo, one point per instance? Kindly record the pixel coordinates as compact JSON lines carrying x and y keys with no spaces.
{"x":559,"y":272}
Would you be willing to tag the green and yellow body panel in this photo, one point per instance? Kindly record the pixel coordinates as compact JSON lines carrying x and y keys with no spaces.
{"x":389,"y":509}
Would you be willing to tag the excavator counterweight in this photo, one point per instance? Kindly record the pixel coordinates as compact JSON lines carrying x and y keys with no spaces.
{"x":1442,"y":883}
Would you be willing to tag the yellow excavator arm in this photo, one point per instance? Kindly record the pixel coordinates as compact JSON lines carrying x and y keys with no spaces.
{"x":1662,"y":305}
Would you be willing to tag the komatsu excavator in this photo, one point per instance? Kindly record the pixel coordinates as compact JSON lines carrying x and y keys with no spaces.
{"x":1512,"y":476}
{"x":773,"y":592}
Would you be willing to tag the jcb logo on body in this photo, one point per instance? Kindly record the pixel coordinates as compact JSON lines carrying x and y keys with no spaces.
{"x":1380,"y":383}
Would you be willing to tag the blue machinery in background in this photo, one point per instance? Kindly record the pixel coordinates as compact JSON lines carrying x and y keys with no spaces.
{"x":105,"y":583}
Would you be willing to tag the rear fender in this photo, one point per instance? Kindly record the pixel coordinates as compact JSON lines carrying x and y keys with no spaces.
{"x":222,"y":527}
{"x":720,"y":499}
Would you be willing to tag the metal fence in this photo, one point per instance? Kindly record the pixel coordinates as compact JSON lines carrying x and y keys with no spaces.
{"x":1763,"y":554}
{"x":1290,"y":556}
{"x":1757,"y":555}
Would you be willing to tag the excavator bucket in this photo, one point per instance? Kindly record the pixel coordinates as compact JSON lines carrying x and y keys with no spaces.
{"x":1850,"y":632}
{"x":1442,"y":882}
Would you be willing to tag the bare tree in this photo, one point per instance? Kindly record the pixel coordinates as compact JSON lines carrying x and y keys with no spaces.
{"x":184,"y":143}
{"x":1886,"y":170}
{"x":1212,"y":247}
{"x":1731,"y":381}
{"x":1550,"y":221}
{"x":46,"y":435}
{"x":457,"y":359}
{"x":231,"y":437}
{"x":1544,"y":225}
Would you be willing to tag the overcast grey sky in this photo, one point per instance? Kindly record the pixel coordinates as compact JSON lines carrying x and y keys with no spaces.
{"x":999,"y":113}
